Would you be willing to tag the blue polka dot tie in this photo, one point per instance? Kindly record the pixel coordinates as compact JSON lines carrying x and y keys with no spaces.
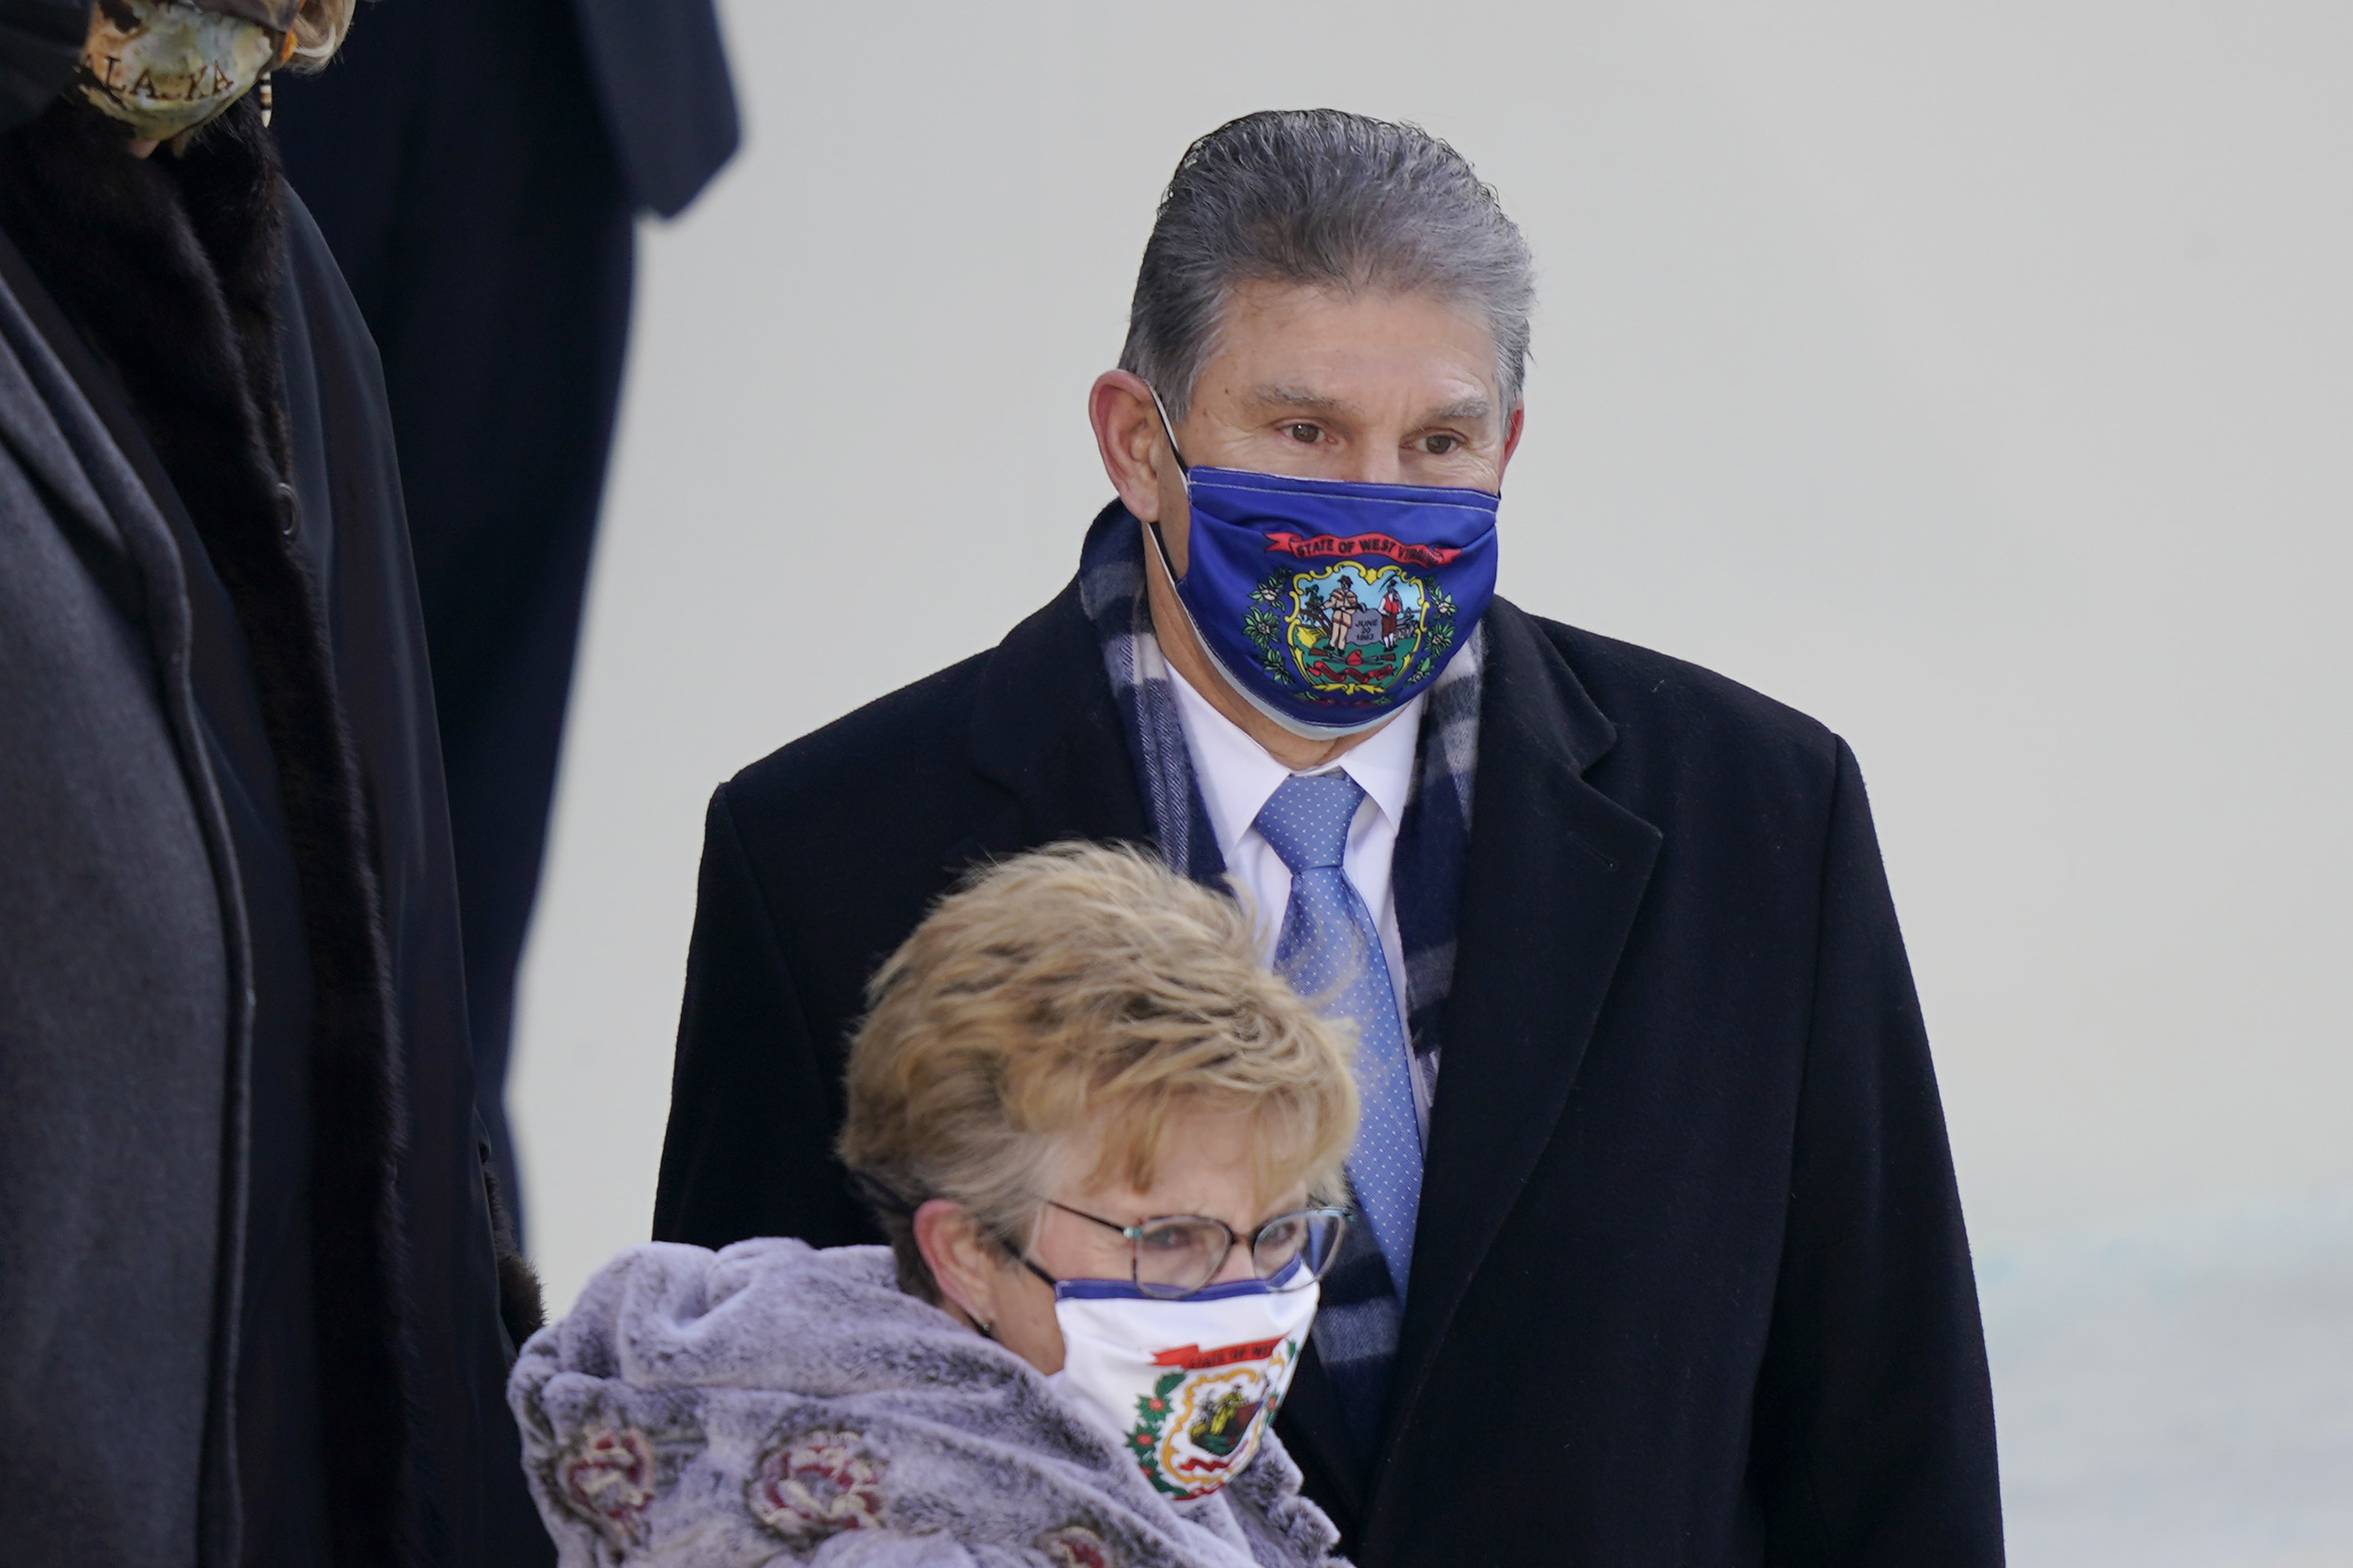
{"x":1330,"y":951}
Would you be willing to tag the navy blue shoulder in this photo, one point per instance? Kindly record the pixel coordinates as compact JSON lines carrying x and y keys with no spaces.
{"x":329,"y":310}
{"x":1628,"y":680}
{"x":1685,"y":730}
{"x":918,"y":730}
{"x":847,"y":833}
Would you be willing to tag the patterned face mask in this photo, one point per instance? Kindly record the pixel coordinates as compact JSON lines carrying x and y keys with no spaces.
{"x":1328,"y":605}
{"x":163,"y":67}
{"x":1188,"y":1386}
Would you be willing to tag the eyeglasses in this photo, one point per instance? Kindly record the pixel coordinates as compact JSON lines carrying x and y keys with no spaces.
{"x":1177,"y":1254}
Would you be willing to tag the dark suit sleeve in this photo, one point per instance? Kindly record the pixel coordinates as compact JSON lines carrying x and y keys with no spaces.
{"x":753,"y":1102}
{"x":661,"y":76}
{"x":1874,"y":1442}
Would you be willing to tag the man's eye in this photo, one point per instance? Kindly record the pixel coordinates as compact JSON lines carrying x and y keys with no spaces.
{"x":1305,"y":434}
{"x":1438,"y":446}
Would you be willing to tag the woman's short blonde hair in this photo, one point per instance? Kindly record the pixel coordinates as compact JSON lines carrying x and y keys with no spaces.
{"x":319,"y":29}
{"x":1080,"y":991}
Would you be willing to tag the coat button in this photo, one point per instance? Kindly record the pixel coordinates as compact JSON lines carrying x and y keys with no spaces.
{"x":289,"y":509}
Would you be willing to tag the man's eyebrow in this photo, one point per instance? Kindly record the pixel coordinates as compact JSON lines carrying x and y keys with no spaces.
{"x":1301,"y":400}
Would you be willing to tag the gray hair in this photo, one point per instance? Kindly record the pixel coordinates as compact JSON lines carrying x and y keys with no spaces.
{"x":1321,"y":198}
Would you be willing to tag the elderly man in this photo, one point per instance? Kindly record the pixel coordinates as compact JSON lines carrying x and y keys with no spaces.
{"x":1662,"y":1259}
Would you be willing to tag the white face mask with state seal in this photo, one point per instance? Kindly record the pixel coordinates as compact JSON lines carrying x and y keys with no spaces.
{"x":1188,"y":1387}
{"x":163,"y":67}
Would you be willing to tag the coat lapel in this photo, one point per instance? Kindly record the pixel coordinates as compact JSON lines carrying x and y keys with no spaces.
{"x":1314,"y":1429}
{"x":1554,"y":875}
{"x":30,"y":430}
{"x":1046,"y":728}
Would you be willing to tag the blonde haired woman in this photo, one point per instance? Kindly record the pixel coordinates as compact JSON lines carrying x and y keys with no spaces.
{"x":1105,"y":1143}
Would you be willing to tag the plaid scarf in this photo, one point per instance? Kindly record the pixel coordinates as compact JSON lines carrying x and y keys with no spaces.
{"x":1356,"y":1328}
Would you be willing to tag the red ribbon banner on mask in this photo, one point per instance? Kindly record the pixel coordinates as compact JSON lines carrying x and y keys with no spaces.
{"x":1332,"y":544}
{"x":1193,"y":1358}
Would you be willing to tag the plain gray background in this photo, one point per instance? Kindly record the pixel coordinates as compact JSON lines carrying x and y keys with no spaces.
{"x":1973,"y":377}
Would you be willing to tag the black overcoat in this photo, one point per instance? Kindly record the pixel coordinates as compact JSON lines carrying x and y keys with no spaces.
{"x":1691,"y":1284}
{"x":144,"y":912}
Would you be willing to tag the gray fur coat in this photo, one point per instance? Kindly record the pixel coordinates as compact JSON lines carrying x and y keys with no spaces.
{"x":772,"y":1403}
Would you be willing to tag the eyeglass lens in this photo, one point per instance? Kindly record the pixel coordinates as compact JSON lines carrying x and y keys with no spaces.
{"x":1179,"y":1256}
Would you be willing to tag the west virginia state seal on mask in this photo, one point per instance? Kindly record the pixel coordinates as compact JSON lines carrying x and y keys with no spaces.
{"x":1188,"y":1387}
{"x":1330,"y":604}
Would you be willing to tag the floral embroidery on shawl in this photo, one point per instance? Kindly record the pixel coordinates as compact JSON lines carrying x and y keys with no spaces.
{"x":607,"y":1479}
{"x":1075,"y":1546}
{"x":816,"y":1485}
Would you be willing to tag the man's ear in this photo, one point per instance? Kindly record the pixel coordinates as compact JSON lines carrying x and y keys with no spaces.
{"x":963,"y":1264}
{"x":1510,"y":440}
{"x":1128,"y":434}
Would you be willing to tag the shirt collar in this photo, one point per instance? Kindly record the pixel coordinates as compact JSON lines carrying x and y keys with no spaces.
{"x":1237,"y":776}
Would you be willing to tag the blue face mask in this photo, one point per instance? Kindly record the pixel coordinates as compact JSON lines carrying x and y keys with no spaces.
{"x":1329,"y":604}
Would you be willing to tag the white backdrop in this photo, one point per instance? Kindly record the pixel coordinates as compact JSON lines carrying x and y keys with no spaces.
{"x":1974,"y":377}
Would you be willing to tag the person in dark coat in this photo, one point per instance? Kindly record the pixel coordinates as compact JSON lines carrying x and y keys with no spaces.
{"x":477,"y":167}
{"x":250,"y":1294}
{"x":1664,"y":1260}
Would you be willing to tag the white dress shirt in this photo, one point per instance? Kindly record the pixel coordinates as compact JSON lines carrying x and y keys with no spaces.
{"x":1238,"y":777}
